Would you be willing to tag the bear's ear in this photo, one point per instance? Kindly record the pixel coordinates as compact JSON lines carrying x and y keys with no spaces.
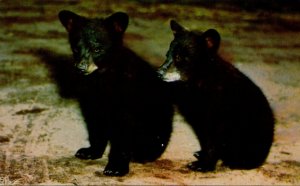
{"x":177,"y":28}
{"x":68,"y":19}
{"x":117,"y":22}
{"x":212,"y":40}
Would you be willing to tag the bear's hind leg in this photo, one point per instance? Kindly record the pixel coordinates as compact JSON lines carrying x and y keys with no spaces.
{"x":248,"y":156}
{"x":148,"y":150}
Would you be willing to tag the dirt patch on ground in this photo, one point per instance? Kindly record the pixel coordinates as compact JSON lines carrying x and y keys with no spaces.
{"x":41,"y":127}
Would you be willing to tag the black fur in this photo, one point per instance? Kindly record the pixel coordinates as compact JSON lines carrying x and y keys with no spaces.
{"x":228,"y":112}
{"x":122,"y":100}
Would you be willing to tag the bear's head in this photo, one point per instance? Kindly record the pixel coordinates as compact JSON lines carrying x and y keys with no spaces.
{"x":93,"y":40}
{"x":190,"y":50}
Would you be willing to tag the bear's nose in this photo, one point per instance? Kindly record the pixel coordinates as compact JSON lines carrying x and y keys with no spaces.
{"x":82,"y":66}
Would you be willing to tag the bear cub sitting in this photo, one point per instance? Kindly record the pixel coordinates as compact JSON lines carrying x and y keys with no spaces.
{"x":123,"y":101}
{"x":229,"y":114}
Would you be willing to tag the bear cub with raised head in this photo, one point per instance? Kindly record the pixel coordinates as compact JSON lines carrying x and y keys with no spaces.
{"x":229,"y":114}
{"x":123,"y":101}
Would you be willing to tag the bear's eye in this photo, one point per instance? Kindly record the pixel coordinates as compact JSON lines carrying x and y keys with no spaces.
{"x":97,"y":50}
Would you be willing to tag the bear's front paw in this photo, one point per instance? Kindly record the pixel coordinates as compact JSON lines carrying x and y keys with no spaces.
{"x":116,"y":170}
{"x":201,"y":166}
{"x":87,"y":153}
{"x":199,"y":155}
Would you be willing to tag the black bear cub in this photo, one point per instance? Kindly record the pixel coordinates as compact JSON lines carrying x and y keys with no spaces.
{"x":123,"y":101}
{"x":229,"y":114}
